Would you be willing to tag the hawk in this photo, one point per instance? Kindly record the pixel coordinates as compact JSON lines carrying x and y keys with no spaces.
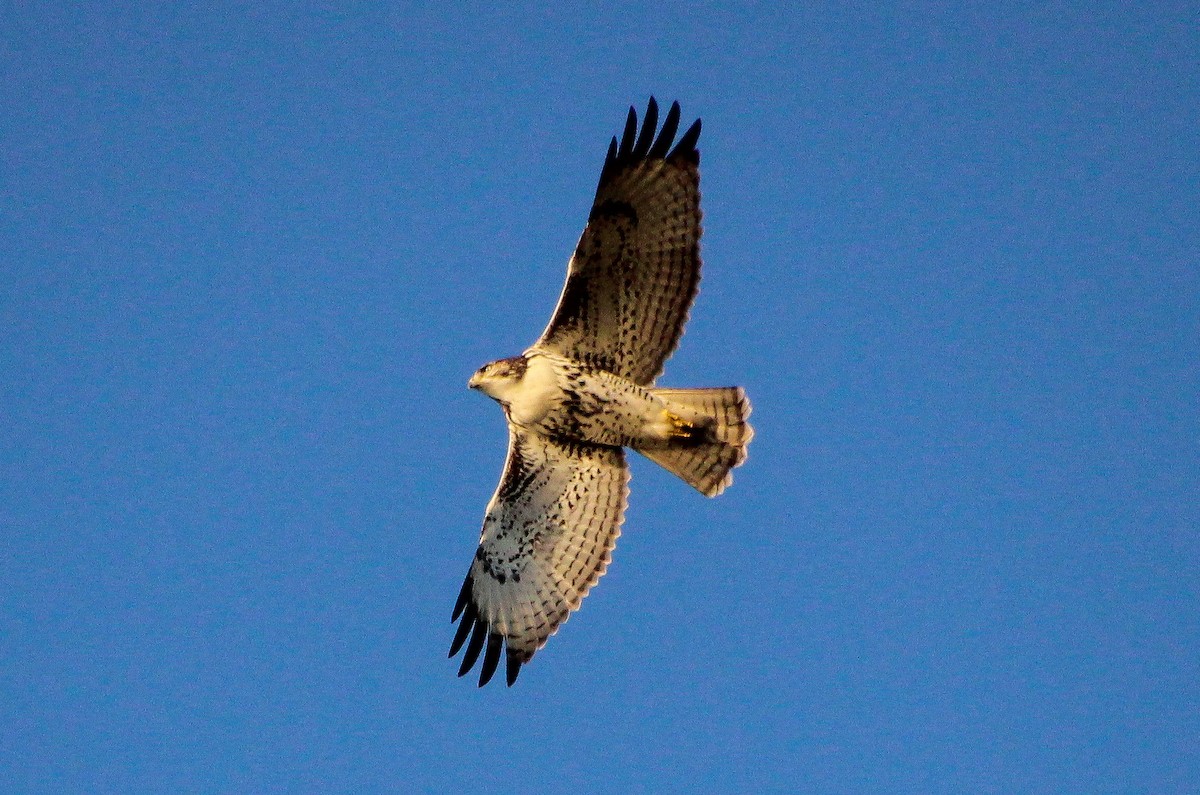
{"x":585,"y":391}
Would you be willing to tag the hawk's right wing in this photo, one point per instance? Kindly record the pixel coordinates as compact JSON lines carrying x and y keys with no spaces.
{"x":547,"y":538}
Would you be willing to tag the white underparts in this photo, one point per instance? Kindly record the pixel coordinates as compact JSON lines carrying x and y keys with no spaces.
{"x":530,"y":398}
{"x":558,"y":397}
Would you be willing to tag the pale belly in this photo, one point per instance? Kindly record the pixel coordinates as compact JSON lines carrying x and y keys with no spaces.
{"x":565,"y":400}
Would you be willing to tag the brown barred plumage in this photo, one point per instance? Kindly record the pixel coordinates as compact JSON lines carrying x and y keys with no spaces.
{"x":585,"y":390}
{"x":636,"y":268}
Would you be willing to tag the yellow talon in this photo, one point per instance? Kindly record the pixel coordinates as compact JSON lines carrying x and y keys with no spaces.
{"x":680,"y":427}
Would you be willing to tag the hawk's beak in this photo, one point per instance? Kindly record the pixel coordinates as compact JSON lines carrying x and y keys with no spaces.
{"x":474,"y":382}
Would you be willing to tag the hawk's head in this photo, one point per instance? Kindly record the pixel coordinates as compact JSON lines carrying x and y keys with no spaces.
{"x":496,"y":379}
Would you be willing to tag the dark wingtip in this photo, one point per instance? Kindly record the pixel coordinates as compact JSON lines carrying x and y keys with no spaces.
{"x":491,"y":658}
{"x":610,"y":161}
{"x":512,"y":667}
{"x":667,"y":135}
{"x":628,"y":136}
{"x":473,"y":648}
{"x":464,"y":596}
{"x":468,"y":621}
{"x":686,"y":148}
{"x":649,"y":125}
{"x":649,"y":143}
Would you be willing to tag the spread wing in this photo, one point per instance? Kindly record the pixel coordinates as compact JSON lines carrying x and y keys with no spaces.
{"x":636,"y":267}
{"x":547,"y":538}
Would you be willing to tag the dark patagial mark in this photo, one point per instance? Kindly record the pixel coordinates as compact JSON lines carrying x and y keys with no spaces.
{"x":574,"y":299}
{"x":518,"y":474}
{"x":614,"y":209}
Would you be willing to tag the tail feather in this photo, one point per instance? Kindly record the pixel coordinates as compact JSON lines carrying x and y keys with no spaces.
{"x":717,"y":439}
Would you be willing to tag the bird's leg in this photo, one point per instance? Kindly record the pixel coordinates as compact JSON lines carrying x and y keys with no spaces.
{"x":680,"y":428}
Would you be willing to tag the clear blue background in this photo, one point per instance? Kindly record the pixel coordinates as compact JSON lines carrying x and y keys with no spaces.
{"x":251,"y":255}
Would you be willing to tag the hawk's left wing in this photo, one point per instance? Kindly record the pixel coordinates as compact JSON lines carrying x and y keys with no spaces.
{"x":636,"y":267}
{"x":547,"y":538}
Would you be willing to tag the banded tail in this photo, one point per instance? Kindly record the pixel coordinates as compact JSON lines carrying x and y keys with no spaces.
{"x":714,"y":438}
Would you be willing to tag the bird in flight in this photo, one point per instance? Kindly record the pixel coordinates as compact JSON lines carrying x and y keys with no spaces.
{"x":585,"y":391}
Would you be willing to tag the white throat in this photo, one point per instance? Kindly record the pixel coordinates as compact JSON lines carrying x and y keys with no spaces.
{"x":531,"y":397}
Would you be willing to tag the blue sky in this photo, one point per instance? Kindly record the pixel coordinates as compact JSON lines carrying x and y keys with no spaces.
{"x":252,"y":255}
